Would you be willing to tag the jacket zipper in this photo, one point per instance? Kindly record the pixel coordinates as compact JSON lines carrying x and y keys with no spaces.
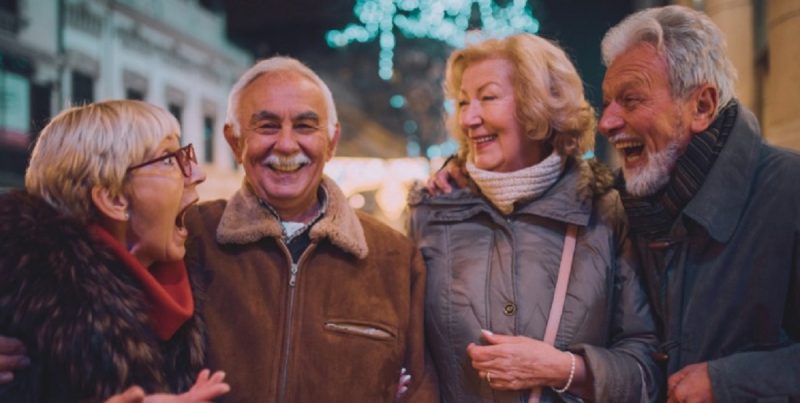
{"x":287,"y":345}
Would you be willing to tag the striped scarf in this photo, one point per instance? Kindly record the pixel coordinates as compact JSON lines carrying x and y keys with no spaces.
{"x":653,"y":216}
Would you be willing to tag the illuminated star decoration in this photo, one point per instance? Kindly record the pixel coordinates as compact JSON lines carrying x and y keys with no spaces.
{"x":443,"y":20}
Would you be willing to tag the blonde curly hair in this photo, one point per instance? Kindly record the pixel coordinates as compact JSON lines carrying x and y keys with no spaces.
{"x":548,"y":92}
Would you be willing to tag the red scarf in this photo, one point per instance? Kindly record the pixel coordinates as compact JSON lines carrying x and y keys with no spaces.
{"x":165,"y":285}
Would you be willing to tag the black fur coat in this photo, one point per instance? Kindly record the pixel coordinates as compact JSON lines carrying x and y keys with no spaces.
{"x":81,"y":315}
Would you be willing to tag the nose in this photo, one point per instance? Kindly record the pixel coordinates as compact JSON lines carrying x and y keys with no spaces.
{"x":471,"y":115}
{"x":611,"y":120}
{"x":197,"y":177}
{"x":286,"y":143}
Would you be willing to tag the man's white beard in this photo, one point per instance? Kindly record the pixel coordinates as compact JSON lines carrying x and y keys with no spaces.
{"x":652,"y":177}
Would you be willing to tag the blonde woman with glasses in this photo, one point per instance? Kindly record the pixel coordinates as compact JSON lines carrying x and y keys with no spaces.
{"x":91,"y":262}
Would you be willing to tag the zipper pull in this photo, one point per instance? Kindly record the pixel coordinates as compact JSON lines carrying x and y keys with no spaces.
{"x":293,"y":277}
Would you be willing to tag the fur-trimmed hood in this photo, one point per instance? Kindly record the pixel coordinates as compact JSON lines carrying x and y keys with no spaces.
{"x":245,"y":220}
{"x":81,"y":314}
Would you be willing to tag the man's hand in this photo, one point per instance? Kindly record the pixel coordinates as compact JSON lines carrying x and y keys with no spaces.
{"x":440,"y":181}
{"x":12,"y":357}
{"x":691,"y":384}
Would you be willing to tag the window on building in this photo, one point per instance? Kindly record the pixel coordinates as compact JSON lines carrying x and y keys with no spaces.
{"x":82,"y":88}
{"x":177,"y":111}
{"x":208,"y":139}
{"x":10,"y":6}
{"x":10,"y":20}
{"x":131,"y":93}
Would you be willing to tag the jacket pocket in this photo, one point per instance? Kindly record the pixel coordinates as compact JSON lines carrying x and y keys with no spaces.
{"x":369,"y":330}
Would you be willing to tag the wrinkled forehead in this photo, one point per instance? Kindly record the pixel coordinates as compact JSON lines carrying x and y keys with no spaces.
{"x":483,"y":72}
{"x":638,"y":64}
{"x":283,"y":91}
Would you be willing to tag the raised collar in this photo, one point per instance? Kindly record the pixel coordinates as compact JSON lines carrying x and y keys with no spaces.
{"x":567,"y":200}
{"x":718,"y":204}
{"x":245,"y":220}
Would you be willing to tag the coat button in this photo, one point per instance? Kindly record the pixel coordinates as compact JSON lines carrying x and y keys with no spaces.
{"x":509,"y":309}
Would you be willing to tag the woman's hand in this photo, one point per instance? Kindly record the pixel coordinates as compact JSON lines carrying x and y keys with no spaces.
{"x":403,"y":383}
{"x":518,"y":362}
{"x":12,"y":357}
{"x":207,"y":388}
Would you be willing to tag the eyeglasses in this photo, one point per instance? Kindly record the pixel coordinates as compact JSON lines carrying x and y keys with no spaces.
{"x":185,"y":156}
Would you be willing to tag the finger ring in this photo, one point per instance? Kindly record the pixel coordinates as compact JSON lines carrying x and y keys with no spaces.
{"x":488,"y":377}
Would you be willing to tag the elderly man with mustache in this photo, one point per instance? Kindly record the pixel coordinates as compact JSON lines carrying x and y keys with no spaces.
{"x":307,"y":299}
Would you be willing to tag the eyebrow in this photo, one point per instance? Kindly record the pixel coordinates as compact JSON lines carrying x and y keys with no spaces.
{"x":483,"y":87}
{"x":263,"y":115}
{"x":310,"y":115}
{"x":267,"y":115}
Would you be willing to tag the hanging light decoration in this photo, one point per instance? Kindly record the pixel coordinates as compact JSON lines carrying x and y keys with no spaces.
{"x":442,"y":20}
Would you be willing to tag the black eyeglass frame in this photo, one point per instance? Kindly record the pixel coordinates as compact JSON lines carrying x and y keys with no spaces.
{"x":184,"y":156}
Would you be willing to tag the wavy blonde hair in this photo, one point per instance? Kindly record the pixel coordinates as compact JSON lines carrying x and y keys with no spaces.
{"x":550,"y":103}
{"x":93,"y":145}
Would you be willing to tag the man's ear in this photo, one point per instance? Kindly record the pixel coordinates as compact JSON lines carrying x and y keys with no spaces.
{"x":110,"y":206}
{"x":334,"y":142}
{"x":234,"y":142}
{"x":704,"y":107}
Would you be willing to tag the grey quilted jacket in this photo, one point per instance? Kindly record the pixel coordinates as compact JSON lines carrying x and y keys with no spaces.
{"x":495,"y":272}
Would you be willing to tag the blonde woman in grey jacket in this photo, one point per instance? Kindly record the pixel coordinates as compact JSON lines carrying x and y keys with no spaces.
{"x":532,"y":287}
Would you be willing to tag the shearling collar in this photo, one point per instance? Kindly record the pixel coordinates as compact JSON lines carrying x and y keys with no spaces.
{"x":245,"y":220}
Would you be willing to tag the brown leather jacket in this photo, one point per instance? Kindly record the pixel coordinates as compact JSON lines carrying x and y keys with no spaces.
{"x":340,"y":333}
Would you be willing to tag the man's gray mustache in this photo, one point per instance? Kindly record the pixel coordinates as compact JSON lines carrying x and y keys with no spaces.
{"x":281,"y":160}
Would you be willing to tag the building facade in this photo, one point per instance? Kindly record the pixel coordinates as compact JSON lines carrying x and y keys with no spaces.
{"x":174,"y":54}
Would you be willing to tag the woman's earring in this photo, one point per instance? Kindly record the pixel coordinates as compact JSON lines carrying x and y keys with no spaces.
{"x":127,"y":216}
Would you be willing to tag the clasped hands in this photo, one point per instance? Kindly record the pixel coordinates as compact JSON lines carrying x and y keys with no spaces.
{"x":518,"y":362}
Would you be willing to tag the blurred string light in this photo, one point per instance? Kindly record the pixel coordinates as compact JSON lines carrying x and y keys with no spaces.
{"x":442,"y":20}
{"x":397,"y":101}
{"x":442,"y":150}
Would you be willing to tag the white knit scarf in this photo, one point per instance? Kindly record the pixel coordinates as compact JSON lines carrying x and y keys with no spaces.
{"x":504,"y":189}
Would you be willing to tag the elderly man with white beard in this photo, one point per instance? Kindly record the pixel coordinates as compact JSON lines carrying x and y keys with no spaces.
{"x":714,"y":211}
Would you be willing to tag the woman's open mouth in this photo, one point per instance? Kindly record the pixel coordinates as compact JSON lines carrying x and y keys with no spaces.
{"x":180,"y":220}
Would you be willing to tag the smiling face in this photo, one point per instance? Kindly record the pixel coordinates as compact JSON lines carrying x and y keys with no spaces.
{"x":158,"y":195}
{"x":647,"y":126}
{"x":284,"y":141}
{"x":495,"y":138}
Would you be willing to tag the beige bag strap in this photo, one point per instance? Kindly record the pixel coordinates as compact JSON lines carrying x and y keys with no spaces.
{"x":559,"y":296}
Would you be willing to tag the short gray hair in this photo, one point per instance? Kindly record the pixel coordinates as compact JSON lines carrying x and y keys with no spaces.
{"x":277,"y":64}
{"x":693,"y":45}
{"x":93,"y":145}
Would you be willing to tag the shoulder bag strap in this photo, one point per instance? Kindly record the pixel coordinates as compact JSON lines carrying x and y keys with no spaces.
{"x":559,"y":296}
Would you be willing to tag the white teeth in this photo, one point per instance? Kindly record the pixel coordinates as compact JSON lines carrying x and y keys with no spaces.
{"x":620,"y":145}
{"x":286,"y":167}
{"x":484,"y":139}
